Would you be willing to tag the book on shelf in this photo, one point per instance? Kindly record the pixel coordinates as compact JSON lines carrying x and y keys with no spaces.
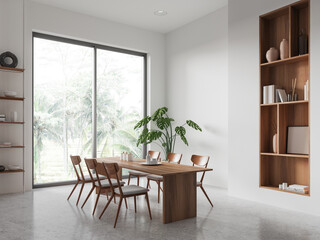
{"x":282,"y":95}
{"x":269,"y":94}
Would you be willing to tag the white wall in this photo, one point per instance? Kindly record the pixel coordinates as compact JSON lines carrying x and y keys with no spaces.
{"x":197,"y":87}
{"x":244,"y":106}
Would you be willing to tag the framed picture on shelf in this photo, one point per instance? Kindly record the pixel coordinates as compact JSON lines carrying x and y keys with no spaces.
{"x":298,"y":140}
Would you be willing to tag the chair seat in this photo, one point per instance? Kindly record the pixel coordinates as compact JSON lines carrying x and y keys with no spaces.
{"x":131,"y":190}
{"x":106,"y":184}
{"x":88,"y":179}
{"x":155,"y":177}
{"x":138,"y":173}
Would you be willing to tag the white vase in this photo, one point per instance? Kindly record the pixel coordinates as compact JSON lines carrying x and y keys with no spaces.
{"x":275,"y":143}
{"x":272,"y":54}
{"x":284,"y":49}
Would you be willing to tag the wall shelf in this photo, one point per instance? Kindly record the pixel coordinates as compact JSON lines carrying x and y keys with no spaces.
{"x":12,"y":171}
{"x":286,"y":61}
{"x":281,"y":190}
{"x":12,"y":98}
{"x":15,"y":123}
{"x":276,"y":165}
{"x":7,"y":69}
{"x":11,"y":146}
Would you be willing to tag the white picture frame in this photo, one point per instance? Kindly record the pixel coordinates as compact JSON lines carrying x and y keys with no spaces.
{"x":298,"y":140}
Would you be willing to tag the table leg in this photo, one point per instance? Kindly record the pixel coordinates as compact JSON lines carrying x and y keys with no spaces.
{"x":179,"y":197}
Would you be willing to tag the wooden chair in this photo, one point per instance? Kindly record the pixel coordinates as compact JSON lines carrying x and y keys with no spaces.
{"x":201,"y":161}
{"x":173,"y":158}
{"x":81,"y":178}
{"x":123,"y":192}
{"x":138,"y":174}
{"x":96,"y":170}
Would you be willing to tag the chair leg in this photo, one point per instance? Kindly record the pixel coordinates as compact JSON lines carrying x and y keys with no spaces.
{"x":95,"y":205}
{"x":115,"y":222}
{"x":125,"y":201}
{"x":75,"y":186}
{"x":158,"y":191}
{"x":148,"y":183}
{"x":206,"y":195}
{"x":147,"y":198}
{"x":135,"y":204}
{"x":129,"y":179}
{"x":88,"y":196}
{"x":107,"y":195}
{"x":80,"y":193}
{"x":138,"y":180}
{"x":109,"y":201}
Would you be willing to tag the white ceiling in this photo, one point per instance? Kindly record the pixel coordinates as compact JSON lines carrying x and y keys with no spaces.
{"x":140,"y":13}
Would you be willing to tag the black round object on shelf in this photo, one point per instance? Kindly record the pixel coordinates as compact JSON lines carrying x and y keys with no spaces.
{"x":4,"y":57}
{"x":2,"y":168}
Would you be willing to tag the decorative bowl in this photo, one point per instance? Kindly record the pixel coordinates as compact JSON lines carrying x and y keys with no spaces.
{"x":10,"y":94}
{"x":13,"y":167}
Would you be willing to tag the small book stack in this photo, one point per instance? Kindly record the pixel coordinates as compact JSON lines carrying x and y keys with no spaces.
{"x":269,"y":94}
{"x":298,"y":188}
{"x":2,"y":118}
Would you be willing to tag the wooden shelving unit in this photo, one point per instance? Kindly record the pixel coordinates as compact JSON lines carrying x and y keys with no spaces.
{"x":12,"y":98}
{"x":11,"y":122}
{"x":11,"y":69}
{"x":278,"y":167}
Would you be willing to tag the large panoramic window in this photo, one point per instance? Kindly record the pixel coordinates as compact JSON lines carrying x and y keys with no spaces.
{"x":68,"y":77}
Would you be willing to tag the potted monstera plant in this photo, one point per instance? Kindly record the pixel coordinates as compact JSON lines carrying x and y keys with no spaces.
{"x":164,"y":134}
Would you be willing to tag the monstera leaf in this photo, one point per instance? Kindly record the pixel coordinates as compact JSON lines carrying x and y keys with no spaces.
{"x":193,"y":125}
{"x":142,"y":122}
{"x":164,"y":123}
{"x":181,"y":131}
{"x":154,"y":135}
{"x":143,"y":137}
{"x":159,"y":113}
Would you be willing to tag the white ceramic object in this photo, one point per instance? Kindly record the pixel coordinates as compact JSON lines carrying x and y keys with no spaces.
{"x":130,"y":157}
{"x":284,"y":49}
{"x":10,"y":93}
{"x":14,"y":117}
{"x":272,"y":54}
{"x":13,"y":167}
{"x":7,"y":143}
{"x":274,"y":143}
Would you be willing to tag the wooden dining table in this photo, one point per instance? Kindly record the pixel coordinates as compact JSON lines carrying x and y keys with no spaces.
{"x":179,"y":186}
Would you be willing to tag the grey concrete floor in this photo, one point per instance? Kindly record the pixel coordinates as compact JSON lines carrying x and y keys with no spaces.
{"x":45,"y":214}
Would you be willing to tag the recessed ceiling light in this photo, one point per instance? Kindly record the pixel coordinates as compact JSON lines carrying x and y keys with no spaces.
{"x":160,"y":13}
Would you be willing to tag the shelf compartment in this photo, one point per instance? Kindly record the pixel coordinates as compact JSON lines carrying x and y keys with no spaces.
{"x":268,"y":128}
{"x":294,"y":59}
{"x":273,"y":28}
{"x":281,"y":190}
{"x":299,"y":21}
{"x":8,"y":69}
{"x":12,"y":98}
{"x":275,"y":170}
{"x":282,"y":76}
{"x":291,"y":115}
{"x":12,"y":171}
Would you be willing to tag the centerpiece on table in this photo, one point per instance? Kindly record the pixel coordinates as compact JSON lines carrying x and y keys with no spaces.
{"x":165,"y":135}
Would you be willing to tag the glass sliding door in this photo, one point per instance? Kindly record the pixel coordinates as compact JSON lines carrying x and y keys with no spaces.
{"x":63,"y":75}
{"x":120,"y":102}
{"x":68,"y":75}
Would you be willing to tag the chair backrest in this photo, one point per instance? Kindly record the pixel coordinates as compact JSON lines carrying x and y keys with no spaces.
{"x":154,"y":154}
{"x":76,"y":162}
{"x":174,"y":158}
{"x":112,"y":169}
{"x":201,"y":161}
{"x":94,"y":169}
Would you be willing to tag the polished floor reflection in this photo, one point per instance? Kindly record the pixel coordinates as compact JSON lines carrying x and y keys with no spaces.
{"x":45,"y":214}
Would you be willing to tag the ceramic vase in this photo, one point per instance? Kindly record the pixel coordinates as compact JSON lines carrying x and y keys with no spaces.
{"x":274,"y":143}
{"x":272,"y":54}
{"x":284,"y":49}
